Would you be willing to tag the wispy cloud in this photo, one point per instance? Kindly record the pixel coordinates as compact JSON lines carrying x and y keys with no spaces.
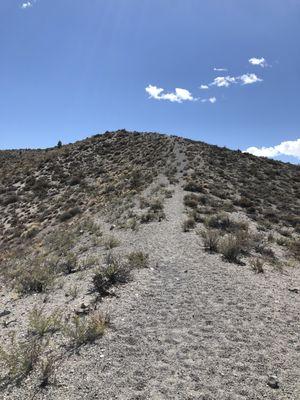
{"x":179,"y":96}
{"x":220,"y":69}
{"x":26,"y":5}
{"x":211,"y":100}
{"x":258,"y":61}
{"x":225,"y":81}
{"x":204,"y":87}
{"x":287,"y":148}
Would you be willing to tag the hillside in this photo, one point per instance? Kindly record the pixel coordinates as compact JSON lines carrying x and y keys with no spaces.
{"x":143,"y":266}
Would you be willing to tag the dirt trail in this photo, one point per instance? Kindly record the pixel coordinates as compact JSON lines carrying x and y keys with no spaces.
{"x":191,"y":327}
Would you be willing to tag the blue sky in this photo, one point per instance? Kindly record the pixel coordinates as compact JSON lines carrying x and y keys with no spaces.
{"x":73,"y":68}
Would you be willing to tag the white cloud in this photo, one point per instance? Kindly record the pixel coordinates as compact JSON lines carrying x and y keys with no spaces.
{"x":154,"y":91}
{"x":288,"y":148}
{"x":204,"y":87}
{"x":258,"y":61}
{"x":220,"y":69}
{"x":248,"y":79}
{"x":28,"y":4}
{"x":178,"y":96}
{"x":223,"y":81}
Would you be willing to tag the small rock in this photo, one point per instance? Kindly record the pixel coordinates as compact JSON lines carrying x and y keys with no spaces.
{"x":294,"y":290}
{"x":273,"y":382}
{"x":83,"y":309}
{"x":4,"y":313}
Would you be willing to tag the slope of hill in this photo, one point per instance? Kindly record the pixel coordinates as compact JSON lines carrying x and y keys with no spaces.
{"x":142,"y":266}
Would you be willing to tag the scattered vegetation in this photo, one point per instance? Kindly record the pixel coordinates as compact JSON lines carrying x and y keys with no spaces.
{"x":83,"y":330}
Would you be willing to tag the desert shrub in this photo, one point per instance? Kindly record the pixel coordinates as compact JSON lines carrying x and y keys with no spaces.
{"x":10,"y":199}
{"x":225,"y":223}
{"x":60,"y":241}
{"x":39,"y":323}
{"x":294,"y":247}
{"x":66,"y":215}
{"x":86,"y":330}
{"x":257,"y":265}
{"x":113,"y":273}
{"x":69,"y":264}
{"x":136,"y":179}
{"x":31,"y":231}
{"x":138,"y":259}
{"x":188,"y":224}
{"x":231,"y":248}
{"x":156,"y":205}
{"x":21,"y":358}
{"x":75,"y":180}
{"x":150,"y":216}
{"x":191,"y":200}
{"x":244,"y":202}
{"x":193,"y":187}
{"x":211,"y":239}
{"x":144,"y":203}
{"x":196,"y":215}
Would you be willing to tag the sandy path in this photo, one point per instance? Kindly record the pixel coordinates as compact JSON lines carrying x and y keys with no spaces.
{"x":192,"y":327}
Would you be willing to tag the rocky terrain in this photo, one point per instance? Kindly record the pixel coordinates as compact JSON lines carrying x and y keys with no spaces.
{"x":142,"y":266}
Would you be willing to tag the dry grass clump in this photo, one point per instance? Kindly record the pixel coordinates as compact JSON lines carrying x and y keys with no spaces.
{"x":138,"y":259}
{"x":110,"y":242}
{"x":211,"y":238}
{"x":257,"y":265}
{"x":34,"y":274}
{"x":83,"y":330}
{"x":21,"y":357}
{"x":40,"y":324}
{"x":231,"y":247}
